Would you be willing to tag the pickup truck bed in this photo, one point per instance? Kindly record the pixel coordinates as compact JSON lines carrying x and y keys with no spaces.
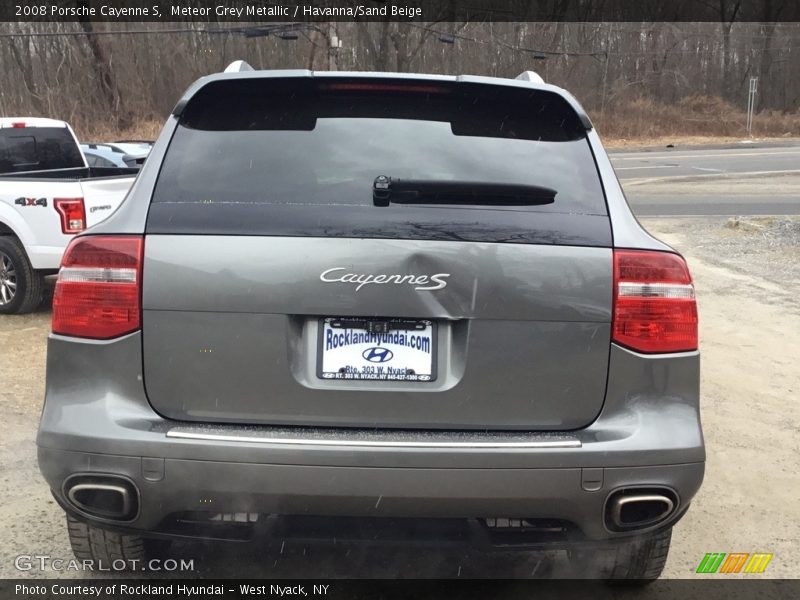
{"x":76,"y":174}
{"x":38,"y":224}
{"x":41,"y":209}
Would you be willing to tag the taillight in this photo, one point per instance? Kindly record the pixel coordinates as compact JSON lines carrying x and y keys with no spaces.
{"x":73,"y":214}
{"x":654,"y":304}
{"x":98,"y":291}
{"x":18,"y":125}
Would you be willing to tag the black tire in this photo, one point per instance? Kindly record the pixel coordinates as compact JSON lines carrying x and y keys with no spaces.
{"x":110,"y":547}
{"x":21,"y":286}
{"x":636,"y":562}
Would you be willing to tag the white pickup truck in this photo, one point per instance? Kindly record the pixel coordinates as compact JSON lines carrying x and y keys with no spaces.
{"x":47,"y":194}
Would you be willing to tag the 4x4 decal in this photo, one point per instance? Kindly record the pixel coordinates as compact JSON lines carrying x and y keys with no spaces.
{"x":31,"y":201}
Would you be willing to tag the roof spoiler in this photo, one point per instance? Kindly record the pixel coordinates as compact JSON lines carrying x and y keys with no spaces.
{"x":238,"y":66}
{"x":531,"y":76}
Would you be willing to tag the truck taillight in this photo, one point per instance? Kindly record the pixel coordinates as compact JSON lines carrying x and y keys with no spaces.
{"x":73,"y":214}
{"x":654,"y":304}
{"x":98,"y":291}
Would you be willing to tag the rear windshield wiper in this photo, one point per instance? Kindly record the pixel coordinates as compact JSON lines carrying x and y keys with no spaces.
{"x":387,"y":190}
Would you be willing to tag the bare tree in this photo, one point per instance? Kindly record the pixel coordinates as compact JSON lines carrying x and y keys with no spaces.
{"x":109,"y":82}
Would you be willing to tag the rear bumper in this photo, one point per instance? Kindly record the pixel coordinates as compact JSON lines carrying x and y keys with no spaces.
{"x":648,"y":434}
{"x":248,"y":487}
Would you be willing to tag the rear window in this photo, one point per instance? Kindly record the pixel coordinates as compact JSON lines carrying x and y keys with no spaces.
{"x":38,"y":148}
{"x":304,"y":153}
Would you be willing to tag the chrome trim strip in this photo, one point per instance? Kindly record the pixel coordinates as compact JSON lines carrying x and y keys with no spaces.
{"x":278,"y":441}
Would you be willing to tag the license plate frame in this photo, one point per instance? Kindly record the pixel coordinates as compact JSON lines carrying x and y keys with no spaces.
{"x":380,"y":327}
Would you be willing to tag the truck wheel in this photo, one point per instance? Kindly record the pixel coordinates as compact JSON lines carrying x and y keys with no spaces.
{"x":637,"y":562}
{"x":109,"y":547}
{"x":20,"y":284}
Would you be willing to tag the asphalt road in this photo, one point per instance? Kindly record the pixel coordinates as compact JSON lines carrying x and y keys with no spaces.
{"x":746,"y":180}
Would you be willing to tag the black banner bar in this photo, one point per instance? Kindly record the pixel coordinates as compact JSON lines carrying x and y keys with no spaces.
{"x":200,"y":589}
{"x":294,"y":11}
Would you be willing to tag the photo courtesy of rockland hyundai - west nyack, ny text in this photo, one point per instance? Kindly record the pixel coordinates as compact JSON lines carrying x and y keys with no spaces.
{"x":400,"y":299}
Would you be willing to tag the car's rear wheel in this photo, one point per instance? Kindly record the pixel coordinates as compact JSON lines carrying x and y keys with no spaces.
{"x":21,"y":286}
{"x":636,"y":562}
{"x":110,"y":548}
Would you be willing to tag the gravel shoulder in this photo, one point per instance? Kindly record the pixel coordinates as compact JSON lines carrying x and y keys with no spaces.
{"x":748,"y":280}
{"x":747,"y":283}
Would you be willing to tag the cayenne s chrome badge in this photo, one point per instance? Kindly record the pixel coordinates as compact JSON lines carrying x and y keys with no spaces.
{"x":420,"y":282}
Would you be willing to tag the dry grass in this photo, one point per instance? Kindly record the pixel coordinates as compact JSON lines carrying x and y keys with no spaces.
{"x":692,"y":118}
{"x":103,"y":132}
{"x":630,"y":123}
{"x":688,"y":140}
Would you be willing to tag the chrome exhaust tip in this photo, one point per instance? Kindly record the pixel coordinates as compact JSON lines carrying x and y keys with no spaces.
{"x":637,"y":509}
{"x":104,"y":496}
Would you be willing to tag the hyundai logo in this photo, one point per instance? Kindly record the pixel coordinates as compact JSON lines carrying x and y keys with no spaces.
{"x":378,"y":355}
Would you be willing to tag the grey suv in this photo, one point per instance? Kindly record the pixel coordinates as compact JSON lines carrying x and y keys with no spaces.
{"x":338,"y":299}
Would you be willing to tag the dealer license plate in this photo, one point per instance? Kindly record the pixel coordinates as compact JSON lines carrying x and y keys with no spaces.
{"x":377,"y":349}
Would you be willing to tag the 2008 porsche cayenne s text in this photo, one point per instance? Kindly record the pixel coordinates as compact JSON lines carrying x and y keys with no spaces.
{"x":338,"y":299}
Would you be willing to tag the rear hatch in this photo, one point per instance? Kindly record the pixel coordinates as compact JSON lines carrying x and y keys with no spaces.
{"x":366,"y":252}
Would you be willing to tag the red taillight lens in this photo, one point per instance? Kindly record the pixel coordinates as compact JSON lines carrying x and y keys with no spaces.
{"x":73,"y":214}
{"x":98,"y":292}
{"x":18,"y":125}
{"x":654,"y":304}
